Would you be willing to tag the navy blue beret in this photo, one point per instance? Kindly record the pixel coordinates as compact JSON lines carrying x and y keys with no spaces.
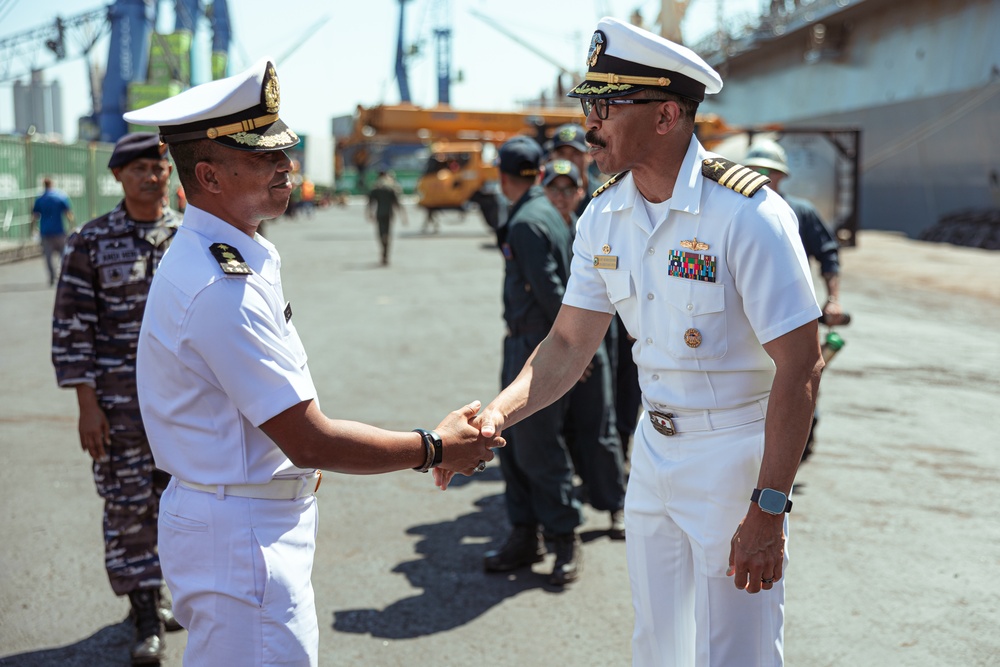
{"x":135,"y":146}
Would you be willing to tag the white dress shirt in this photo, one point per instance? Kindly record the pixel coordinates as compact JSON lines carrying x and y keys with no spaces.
{"x":217,"y":358}
{"x":761,"y":287}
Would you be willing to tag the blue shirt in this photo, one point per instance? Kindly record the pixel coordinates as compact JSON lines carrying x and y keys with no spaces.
{"x":819,"y":242}
{"x":50,"y":207}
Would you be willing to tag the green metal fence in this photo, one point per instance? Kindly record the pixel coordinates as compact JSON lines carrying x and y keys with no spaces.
{"x":80,"y":170}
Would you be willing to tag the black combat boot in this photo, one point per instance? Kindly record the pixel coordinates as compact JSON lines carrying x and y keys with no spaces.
{"x":148,"y":647}
{"x":569,"y":554}
{"x":617,"y":529}
{"x":523,"y":547}
{"x":166,"y":612}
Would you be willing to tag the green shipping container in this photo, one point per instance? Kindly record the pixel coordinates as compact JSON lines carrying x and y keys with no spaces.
{"x":80,"y":170}
{"x":170,"y":58}
{"x":143,"y":94}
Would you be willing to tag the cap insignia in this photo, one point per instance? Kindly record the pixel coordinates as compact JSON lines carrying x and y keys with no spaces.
{"x":230,"y":259}
{"x":596,"y":44}
{"x":272,"y":91}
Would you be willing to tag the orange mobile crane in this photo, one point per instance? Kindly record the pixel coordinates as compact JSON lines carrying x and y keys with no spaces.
{"x":458,"y":148}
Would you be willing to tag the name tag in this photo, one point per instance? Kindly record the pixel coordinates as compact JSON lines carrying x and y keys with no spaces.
{"x":606,"y":262}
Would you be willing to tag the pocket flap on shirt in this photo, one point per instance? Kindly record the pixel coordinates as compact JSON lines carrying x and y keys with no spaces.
{"x":619,"y":284}
{"x":694,"y":297}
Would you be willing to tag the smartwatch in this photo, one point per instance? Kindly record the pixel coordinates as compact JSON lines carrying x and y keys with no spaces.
{"x":771,"y":501}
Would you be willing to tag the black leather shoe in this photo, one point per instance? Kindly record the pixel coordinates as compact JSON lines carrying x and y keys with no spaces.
{"x":523,"y":547}
{"x":617,"y":529}
{"x":569,"y":554}
{"x":166,"y":613}
{"x":148,"y":646}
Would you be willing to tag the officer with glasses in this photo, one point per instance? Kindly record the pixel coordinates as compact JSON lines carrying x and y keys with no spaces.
{"x":705,"y":266}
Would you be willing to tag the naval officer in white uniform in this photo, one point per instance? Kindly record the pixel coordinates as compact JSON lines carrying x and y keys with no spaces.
{"x":225,"y":392}
{"x":705,"y":266}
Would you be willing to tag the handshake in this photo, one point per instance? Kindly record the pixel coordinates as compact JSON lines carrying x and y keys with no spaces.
{"x":467,"y":440}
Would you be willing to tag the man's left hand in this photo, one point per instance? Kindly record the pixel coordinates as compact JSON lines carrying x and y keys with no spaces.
{"x":757,"y":551}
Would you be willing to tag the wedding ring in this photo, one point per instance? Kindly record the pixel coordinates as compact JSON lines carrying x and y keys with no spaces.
{"x":481,"y":467}
{"x":767,"y":581}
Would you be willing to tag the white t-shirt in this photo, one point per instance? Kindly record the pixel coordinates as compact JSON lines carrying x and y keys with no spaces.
{"x":701,"y":289}
{"x":217,"y":358}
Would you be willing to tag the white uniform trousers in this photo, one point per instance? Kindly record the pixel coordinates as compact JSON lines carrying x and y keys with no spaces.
{"x":686,"y":496}
{"x":239,"y":571}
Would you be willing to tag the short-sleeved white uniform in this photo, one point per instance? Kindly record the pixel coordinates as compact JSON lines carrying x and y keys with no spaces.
{"x":217,"y":358}
{"x":698,"y":348}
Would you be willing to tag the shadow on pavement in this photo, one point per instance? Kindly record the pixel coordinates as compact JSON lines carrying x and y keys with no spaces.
{"x":449,"y":572}
{"x":108,"y":647}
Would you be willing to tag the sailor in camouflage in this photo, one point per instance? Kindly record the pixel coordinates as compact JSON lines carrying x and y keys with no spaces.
{"x":100,"y":299}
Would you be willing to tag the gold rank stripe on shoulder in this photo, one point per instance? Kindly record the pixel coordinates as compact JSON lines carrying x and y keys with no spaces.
{"x":230,"y":259}
{"x":734,"y":176}
{"x":611,"y":181}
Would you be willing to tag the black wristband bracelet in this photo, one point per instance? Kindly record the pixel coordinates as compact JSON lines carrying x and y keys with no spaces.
{"x":433,"y":447}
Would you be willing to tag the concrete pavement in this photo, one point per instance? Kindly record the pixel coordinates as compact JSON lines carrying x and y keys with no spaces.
{"x":894,"y":535}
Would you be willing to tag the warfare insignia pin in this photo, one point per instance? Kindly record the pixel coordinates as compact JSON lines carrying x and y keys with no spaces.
{"x":694,"y":244}
{"x":596,"y":44}
{"x":230,"y":259}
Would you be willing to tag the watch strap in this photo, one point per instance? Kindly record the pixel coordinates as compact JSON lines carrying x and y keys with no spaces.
{"x":755,"y":498}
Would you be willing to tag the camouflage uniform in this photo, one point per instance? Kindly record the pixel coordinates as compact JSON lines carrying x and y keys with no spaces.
{"x":100,"y":300}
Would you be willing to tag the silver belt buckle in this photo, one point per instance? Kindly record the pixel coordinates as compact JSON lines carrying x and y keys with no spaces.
{"x":663,"y":422}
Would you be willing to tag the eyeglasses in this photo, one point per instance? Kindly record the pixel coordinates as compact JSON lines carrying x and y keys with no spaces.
{"x":565,"y":192}
{"x":603,"y":105}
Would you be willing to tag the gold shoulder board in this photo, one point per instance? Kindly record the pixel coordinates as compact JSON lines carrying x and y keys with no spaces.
{"x":611,"y":181}
{"x":743,"y":180}
{"x":230,"y":259}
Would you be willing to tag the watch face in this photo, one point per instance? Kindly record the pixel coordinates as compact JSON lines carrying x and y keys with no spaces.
{"x":772,"y":502}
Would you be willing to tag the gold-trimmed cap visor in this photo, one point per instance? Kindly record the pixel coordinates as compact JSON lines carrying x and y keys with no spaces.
{"x":259,"y":133}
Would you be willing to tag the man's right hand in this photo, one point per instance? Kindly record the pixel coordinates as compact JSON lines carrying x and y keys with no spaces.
{"x":488,"y":425}
{"x":464,"y":445}
{"x":95,"y":432}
